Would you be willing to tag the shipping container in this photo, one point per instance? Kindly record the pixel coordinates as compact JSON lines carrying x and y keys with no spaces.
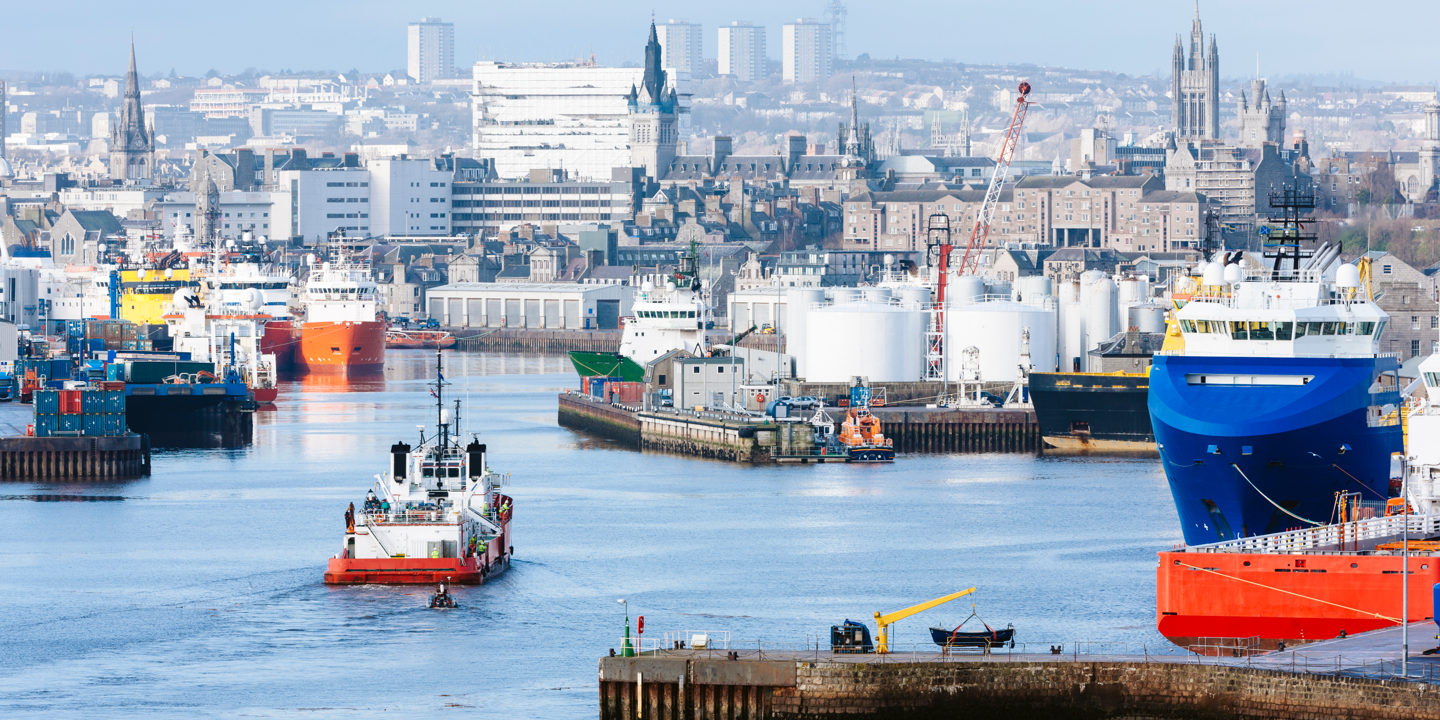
{"x":71,"y":402}
{"x":115,"y":424}
{"x":69,"y":424}
{"x":60,"y":368}
{"x":629,"y":393}
{"x":150,"y":371}
{"x":45,"y":425}
{"x":93,"y":402}
{"x":47,"y":402}
{"x":94,"y":425}
{"x":114,"y":400}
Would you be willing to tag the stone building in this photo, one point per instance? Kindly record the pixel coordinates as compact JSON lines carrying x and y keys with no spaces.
{"x":132,"y":148}
{"x":1261,"y":121}
{"x":1195,"y":87}
{"x":1408,"y":296}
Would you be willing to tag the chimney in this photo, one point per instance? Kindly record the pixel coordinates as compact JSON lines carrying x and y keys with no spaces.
{"x":797,"y":148}
{"x":351,"y":160}
{"x":722,"y":150}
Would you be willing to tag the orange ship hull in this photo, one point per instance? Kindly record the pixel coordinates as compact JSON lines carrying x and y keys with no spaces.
{"x":341,"y":348}
{"x":1296,"y":598}
{"x":280,"y":339}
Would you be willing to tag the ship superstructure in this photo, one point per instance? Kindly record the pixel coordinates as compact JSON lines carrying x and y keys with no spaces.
{"x":1280,"y":398}
{"x":669,"y":316}
{"x":341,"y":333}
{"x":436,"y":515}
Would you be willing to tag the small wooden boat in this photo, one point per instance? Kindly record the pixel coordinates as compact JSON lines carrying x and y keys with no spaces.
{"x":989,"y":638}
{"x":427,"y":339}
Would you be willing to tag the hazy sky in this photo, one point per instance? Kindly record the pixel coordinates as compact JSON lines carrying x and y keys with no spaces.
{"x":1368,"y":39}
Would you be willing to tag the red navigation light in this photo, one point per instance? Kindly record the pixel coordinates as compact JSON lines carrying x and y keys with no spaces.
{"x":642,"y":623}
{"x":1024,"y":88}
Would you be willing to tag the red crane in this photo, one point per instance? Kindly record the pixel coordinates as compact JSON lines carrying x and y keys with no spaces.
{"x":939,"y":235}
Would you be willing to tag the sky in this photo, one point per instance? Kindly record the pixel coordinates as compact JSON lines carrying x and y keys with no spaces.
{"x":1290,"y":37}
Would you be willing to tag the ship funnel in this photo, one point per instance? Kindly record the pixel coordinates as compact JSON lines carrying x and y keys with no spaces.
{"x":399,"y":453}
{"x":476,"y":451}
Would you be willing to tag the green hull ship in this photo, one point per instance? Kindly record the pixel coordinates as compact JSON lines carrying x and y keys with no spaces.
{"x":599,"y":364}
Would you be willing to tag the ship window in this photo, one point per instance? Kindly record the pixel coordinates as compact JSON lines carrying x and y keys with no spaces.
{"x":1299,"y":330}
{"x":1261,"y":331}
{"x":1283,"y":330}
{"x":1329,"y":328}
{"x":1314,"y":328}
{"x":1432,"y":379}
{"x":1367,"y":328}
{"x":1237,"y":330}
{"x":1187,"y":325}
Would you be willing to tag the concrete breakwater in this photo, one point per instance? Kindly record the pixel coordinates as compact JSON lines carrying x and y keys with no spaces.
{"x":959,"y":430}
{"x":703,"y":686}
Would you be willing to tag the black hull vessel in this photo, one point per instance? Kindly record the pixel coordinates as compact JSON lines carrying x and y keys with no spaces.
{"x":1094,"y":413}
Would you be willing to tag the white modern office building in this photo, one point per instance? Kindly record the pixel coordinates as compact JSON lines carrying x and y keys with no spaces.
{"x":409,"y":196}
{"x":807,"y":51}
{"x":682,"y":45}
{"x":430,"y":49}
{"x":742,"y":51}
{"x":567,"y":117}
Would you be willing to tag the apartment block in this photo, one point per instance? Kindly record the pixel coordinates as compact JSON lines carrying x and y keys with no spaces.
{"x":807,"y":51}
{"x":430,"y":50}
{"x":682,"y":45}
{"x":742,"y":51}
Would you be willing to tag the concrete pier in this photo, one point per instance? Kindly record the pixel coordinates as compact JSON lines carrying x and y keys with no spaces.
{"x":1335,"y":681}
{"x":23,"y":457}
{"x":532,"y":340}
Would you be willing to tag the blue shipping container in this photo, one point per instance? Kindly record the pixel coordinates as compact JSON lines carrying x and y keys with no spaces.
{"x":45,"y":425}
{"x":69,"y":424}
{"x":47,"y":402}
{"x":115,"y":424}
{"x":59,"y":368}
{"x":94,"y":425}
{"x":115,"y":372}
{"x":114,"y":401}
{"x":92,"y":402}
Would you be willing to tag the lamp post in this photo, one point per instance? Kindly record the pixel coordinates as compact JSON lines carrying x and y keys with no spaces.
{"x":1404,"y":564}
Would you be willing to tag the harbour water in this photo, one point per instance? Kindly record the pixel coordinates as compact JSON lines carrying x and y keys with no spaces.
{"x":197,"y":591}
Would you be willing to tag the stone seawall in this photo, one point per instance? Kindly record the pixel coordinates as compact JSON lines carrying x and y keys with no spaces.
{"x":699,"y":437}
{"x":666,"y":688}
{"x":603,"y":419}
{"x":537,"y":340}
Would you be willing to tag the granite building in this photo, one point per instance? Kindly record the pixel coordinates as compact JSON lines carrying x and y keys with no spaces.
{"x":1195,"y":87}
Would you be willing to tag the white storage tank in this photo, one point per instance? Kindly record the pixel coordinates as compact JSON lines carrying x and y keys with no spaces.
{"x":1148,"y":318}
{"x":882,"y":342}
{"x":877,"y":294}
{"x":1098,"y":303}
{"x":997,"y":330}
{"x":840,"y":295}
{"x":1031,"y":288}
{"x":1070,"y":338}
{"x":797,"y":310}
{"x":916,"y":294}
{"x":964,"y":290}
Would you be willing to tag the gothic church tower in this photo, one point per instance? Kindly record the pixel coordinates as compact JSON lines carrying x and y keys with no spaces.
{"x":653,"y":129}
{"x":132,"y":149}
{"x":1195,"y":87}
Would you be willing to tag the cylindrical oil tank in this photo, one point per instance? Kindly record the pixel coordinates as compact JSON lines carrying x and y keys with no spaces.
{"x":964,"y":290}
{"x":1099,"y":303}
{"x":997,"y":329}
{"x":1148,"y":318}
{"x":841,"y":296}
{"x":884,"y":343}
{"x":797,"y":311}
{"x":877,"y":294}
{"x":997,"y":287}
{"x":1070,"y":325}
{"x":916,"y":294}
{"x":1030,"y":288}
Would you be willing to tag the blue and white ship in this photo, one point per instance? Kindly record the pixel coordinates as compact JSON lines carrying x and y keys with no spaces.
{"x":1276,"y":403}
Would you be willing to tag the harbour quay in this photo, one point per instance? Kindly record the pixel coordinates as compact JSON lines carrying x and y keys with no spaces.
{"x":741,"y":438}
{"x":24,"y":456}
{"x":1352,"y":678}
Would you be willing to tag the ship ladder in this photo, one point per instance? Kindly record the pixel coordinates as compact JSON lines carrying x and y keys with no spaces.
{"x":378,"y":534}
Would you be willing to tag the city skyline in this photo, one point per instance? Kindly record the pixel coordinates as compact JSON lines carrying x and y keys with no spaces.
{"x":1290,"y":38}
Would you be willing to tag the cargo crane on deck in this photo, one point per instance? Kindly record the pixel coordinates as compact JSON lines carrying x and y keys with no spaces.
{"x":938,"y":237}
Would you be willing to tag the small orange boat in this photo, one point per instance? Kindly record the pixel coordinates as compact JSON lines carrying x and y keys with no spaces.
{"x":861,"y":434}
{"x":413,"y":339}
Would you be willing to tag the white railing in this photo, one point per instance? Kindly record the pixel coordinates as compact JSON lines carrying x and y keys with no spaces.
{"x":1330,"y":537}
{"x":698,"y":639}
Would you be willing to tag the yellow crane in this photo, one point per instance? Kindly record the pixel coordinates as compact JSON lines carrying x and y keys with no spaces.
{"x":883,"y":622}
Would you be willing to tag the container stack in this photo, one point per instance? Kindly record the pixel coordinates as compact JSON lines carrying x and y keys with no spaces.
{"x":115,"y":335}
{"x":82,"y":412}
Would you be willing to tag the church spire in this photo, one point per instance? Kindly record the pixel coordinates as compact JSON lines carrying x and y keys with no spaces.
{"x":132,"y":78}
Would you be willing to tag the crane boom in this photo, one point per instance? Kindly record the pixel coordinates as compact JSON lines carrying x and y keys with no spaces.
{"x":883,"y":622}
{"x":981,"y":233}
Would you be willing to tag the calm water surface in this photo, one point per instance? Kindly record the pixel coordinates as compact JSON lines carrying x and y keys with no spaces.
{"x":197,"y":592}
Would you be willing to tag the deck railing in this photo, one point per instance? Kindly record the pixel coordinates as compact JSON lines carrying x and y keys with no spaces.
{"x":1328,"y":536}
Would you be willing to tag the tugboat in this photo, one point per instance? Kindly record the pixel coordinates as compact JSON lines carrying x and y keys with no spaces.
{"x":435,"y":516}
